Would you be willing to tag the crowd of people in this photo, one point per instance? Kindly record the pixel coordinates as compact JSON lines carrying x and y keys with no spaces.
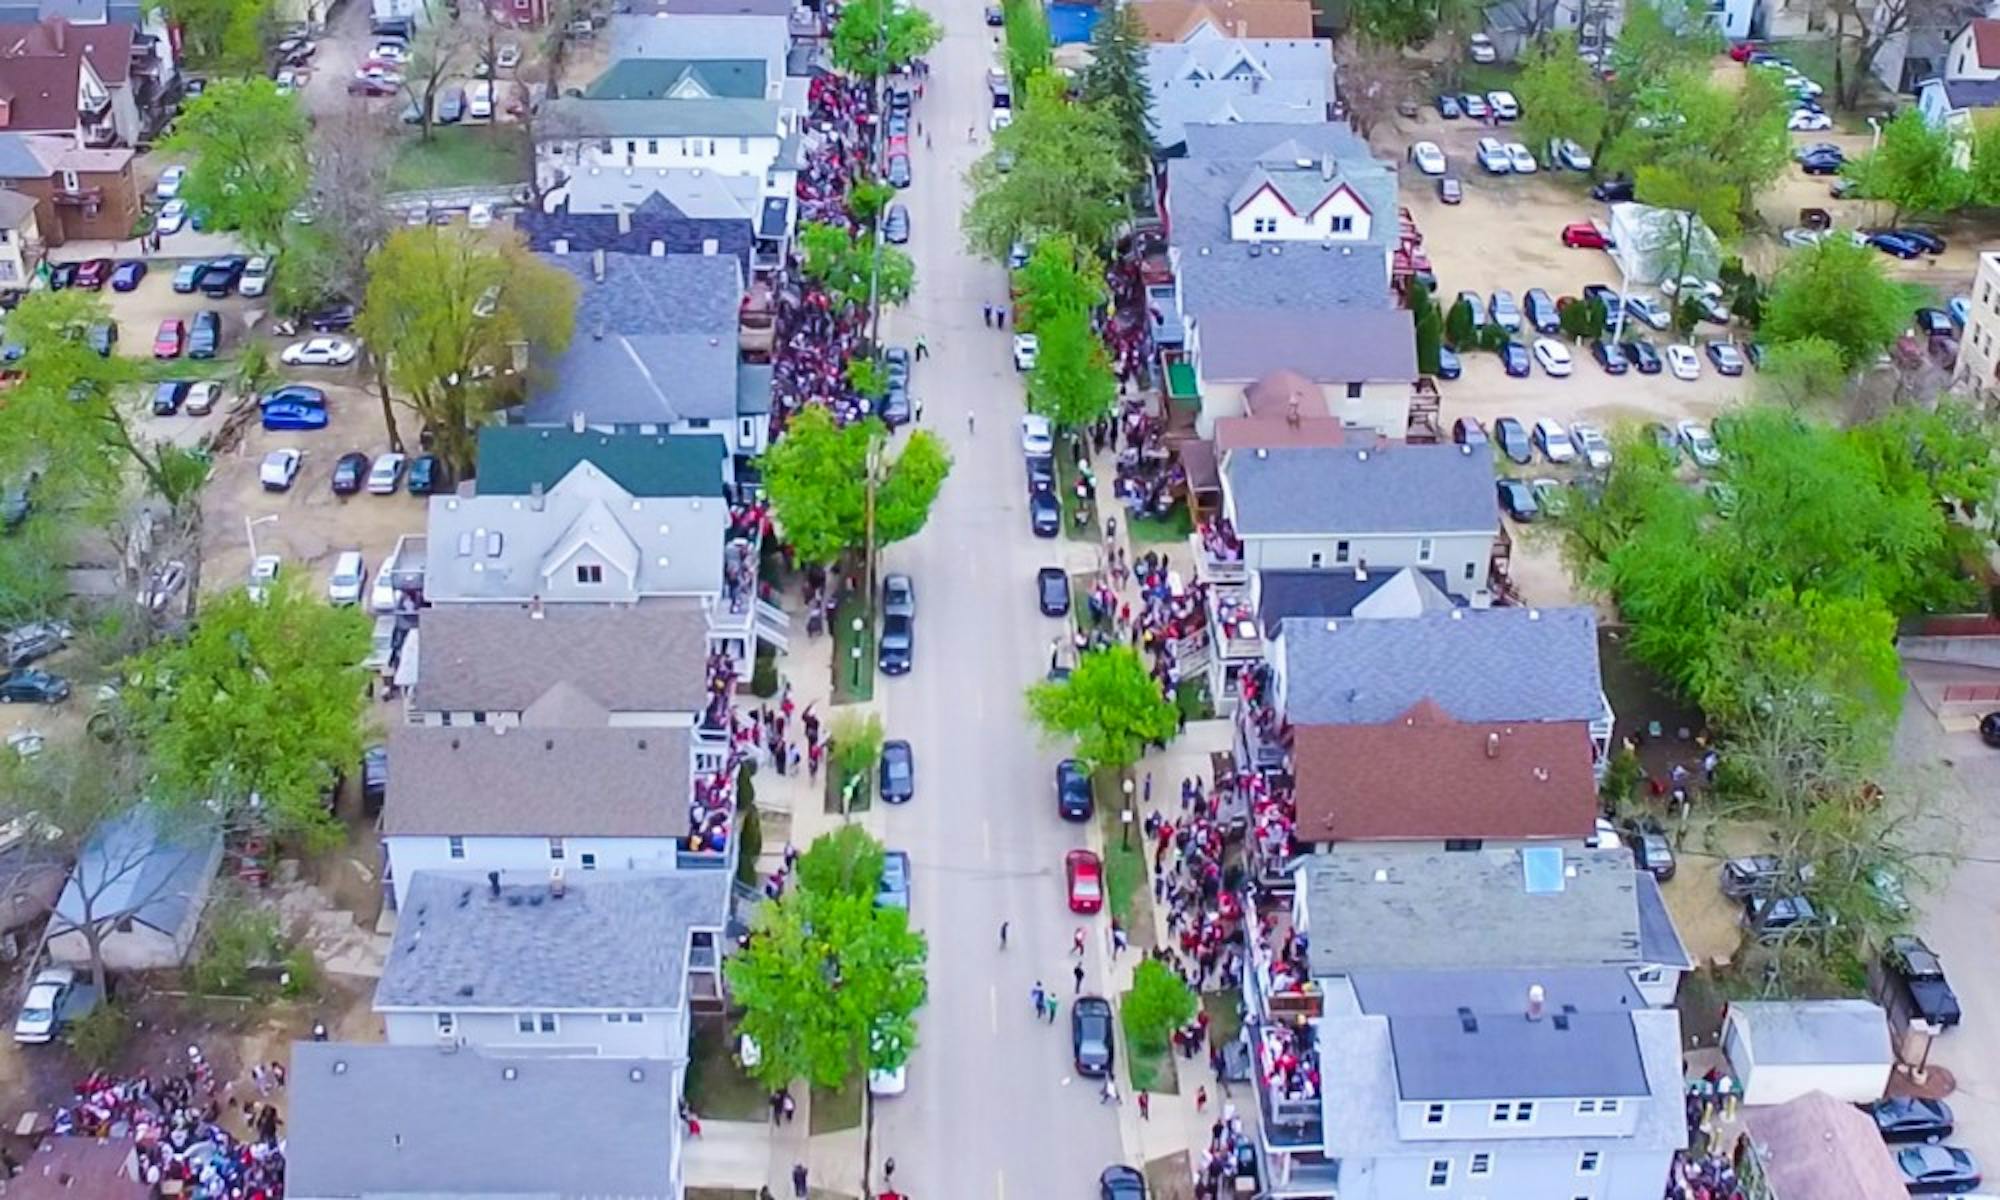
{"x":1706,"y":1170}
{"x":1150,"y":478}
{"x":1169,"y":610}
{"x":1192,"y":881}
{"x":176,"y":1126}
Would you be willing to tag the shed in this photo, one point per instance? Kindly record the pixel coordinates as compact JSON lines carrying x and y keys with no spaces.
{"x":1781,"y":1050}
{"x":1816,"y":1148}
{"x":145,"y":878}
{"x":1646,"y":243}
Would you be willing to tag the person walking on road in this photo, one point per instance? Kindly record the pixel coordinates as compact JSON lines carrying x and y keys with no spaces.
{"x":1003,"y":935}
{"x":1075,"y":942}
{"x":968,"y":423}
{"x":1039,"y":997}
{"x":923,"y":350}
{"x":1050,"y":1011}
{"x":1145,"y":1106}
{"x":799,"y":1180}
{"x":1078,"y":972}
{"x":1108,"y":1094}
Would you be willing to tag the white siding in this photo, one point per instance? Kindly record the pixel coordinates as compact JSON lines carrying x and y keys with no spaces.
{"x":408,"y":855}
{"x":1452,"y":554}
{"x":659,"y":1033}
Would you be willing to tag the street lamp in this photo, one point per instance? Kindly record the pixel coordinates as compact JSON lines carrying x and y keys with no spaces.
{"x":854,"y":652}
{"x":1125,"y":817}
{"x":250,"y":525}
{"x":1875,"y":125}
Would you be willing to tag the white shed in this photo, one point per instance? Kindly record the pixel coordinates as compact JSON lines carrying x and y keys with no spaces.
{"x":1780,"y":1050}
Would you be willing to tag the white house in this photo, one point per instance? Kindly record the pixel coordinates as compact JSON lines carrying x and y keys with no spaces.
{"x":1960,"y":97}
{"x":20,"y":240}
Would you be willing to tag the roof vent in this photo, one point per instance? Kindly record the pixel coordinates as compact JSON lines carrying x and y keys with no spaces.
{"x":493,"y":883}
{"x":636,"y":1074}
{"x":548,"y":743}
{"x":1534,"y":614}
{"x":1256,"y":249}
{"x":340,"y":1066}
{"x":1381,"y":875}
{"x":1362,"y":455}
{"x":510,"y":1073}
{"x":1535,"y":995}
{"x":1465,"y":449}
{"x":575,"y":422}
{"x":1458,"y":614}
{"x":597,"y":265}
{"x":1541,"y":774}
{"x":560,"y":245}
{"x":658,"y":249}
{"x":1466,"y":1020}
{"x":1333,"y":626}
{"x":1263,"y":453}
{"x":1276,"y":251}
{"x":1493,"y":745}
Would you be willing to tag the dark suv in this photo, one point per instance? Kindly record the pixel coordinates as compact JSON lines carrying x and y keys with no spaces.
{"x":219,"y":278}
{"x":1073,"y":801}
{"x":205,"y":334}
{"x":898,"y":632}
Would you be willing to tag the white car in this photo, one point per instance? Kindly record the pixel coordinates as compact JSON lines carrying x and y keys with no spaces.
{"x":37,"y":1022}
{"x":1806,"y":121}
{"x":256,"y":277}
{"x":1799,"y":236}
{"x":1573,"y":156}
{"x":999,"y":119}
{"x":163,"y":585}
{"x":319,"y":352}
{"x":170,"y":183}
{"x":1692,"y":283}
{"x":479,"y":216}
{"x":1695,"y":437}
{"x":392,"y":52}
{"x":1554,"y":441}
{"x":173,"y":215}
{"x":1038,"y":436}
{"x":384,"y":475}
{"x":1591,"y":443}
{"x":1493,"y":156}
{"x":263,"y":573}
{"x":1427,"y":156}
{"x":1026,"y":347}
{"x":1504,"y":106}
{"x":1553,"y":355}
{"x":1683,"y":362}
{"x":1480,"y":49}
{"x":382,"y":595}
{"x":509,"y":55}
{"x":203,"y":396}
{"x":350,"y":574}
{"x":1519,"y":159}
{"x":280,"y":468}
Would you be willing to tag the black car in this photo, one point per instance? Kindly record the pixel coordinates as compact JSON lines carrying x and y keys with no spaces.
{"x":451,"y":106}
{"x":62,"y":275}
{"x":994,"y":16}
{"x":1823,"y":163}
{"x":1908,"y":1119}
{"x":897,"y":647}
{"x":1044,"y":514}
{"x":1610,"y":355}
{"x":1090,"y":1037}
{"x":1513,"y":440}
{"x":1514,"y":357}
{"x":1073,"y":802}
{"x":218,"y":279}
{"x":1611,"y":191}
{"x":374,"y":778}
{"x":1518,"y":499}
{"x":896,"y":403}
{"x":350,"y":471}
{"x":167,"y":397}
{"x":898,"y":772}
{"x":899,"y":596}
{"x":127,"y":275}
{"x":1052,"y":591}
{"x":1644,"y":356}
{"x":426,"y":473}
{"x":1121,"y":1182}
{"x":205,"y":334}
{"x":1041,"y":472}
{"x":32,"y":686}
{"x":331,"y":318}
{"x":1894,"y":244}
{"x":1652,"y":852}
{"x":900,"y":99}
{"x":1752,"y":875}
{"x":102,"y":336}
{"x":1541,"y":312}
{"x":1935,"y":322}
{"x":1922,"y":972}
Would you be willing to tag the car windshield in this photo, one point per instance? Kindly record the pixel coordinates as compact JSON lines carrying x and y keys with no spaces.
{"x":1086,"y":885}
{"x":899,"y":768}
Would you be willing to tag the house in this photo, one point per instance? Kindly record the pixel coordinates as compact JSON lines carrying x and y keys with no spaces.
{"x":80,"y":193}
{"x":658,"y":46}
{"x":20,"y":240}
{"x":147,"y":880}
{"x":501,"y":798}
{"x":153,"y":43}
{"x":656,"y":351}
{"x":1959,"y":98}
{"x":554,"y":962}
{"x":411,"y":1120}
{"x":1513,"y":1083}
{"x":64,"y":1168}
{"x":1979,"y":345}
{"x":665,"y":211}
{"x":1178,"y":20}
{"x":1816,"y":1148}
{"x":1195,"y":77}
{"x":1354,"y":366}
{"x":70,"y":80}
{"x":1780,"y":1050}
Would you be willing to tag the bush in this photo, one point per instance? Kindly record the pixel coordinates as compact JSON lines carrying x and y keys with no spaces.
{"x":764,"y":676}
{"x":301,"y":974}
{"x":238,"y":938}
{"x":1159,"y":1003}
{"x":749,"y":839}
{"x":857,"y":744}
{"x":100,"y":1036}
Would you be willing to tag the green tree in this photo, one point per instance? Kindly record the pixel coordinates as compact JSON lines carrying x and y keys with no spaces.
{"x":1703,"y":208}
{"x":867,"y":199}
{"x":1837,"y":292}
{"x":1430,"y":328}
{"x":868,"y":376}
{"x":220,"y":35}
{"x":853,"y":267}
{"x":844,"y":862}
{"x":1159,"y":1003}
{"x":857,"y":746}
{"x":448,"y":310}
{"x":1394,"y":22}
{"x":1838,"y":652}
{"x":1116,"y":83}
{"x":1461,"y":326}
{"x":256,"y":709}
{"x":1030,"y":49}
{"x":874,"y":37}
{"x":247,"y":143}
{"x":1914,"y":169}
{"x":1069,"y":175}
{"x":1059,"y":278}
{"x":1803,"y":372}
{"x":442,"y":49}
{"x":1111,"y":706}
{"x":1560,"y":94}
{"x":1658,"y":39}
{"x":1709,"y":148}
{"x":1072,"y":383}
{"x":1982,"y":183}
{"x":817,"y":477}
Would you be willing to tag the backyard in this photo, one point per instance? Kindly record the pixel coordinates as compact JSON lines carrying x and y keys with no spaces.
{"x":459,"y":156}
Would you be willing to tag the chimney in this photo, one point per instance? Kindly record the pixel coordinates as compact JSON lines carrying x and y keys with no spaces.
{"x":1292,"y":416}
{"x":1535,"y":1002}
{"x":1493,"y":745}
{"x":560,"y":245}
{"x":597,"y":265}
{"x":493,"y":883}
{"x":1326,"y":167}
{"x":535,"y":608}
{"x":658,"y":248}
{"x":556,"y":885}
{"x":624,"y":218}
{"x":1361,"y":570}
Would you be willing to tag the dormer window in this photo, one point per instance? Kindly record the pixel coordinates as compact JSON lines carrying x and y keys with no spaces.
{"x":1264,"y":225}
{"x":589,"y":573}
{"x":1340,"y":224}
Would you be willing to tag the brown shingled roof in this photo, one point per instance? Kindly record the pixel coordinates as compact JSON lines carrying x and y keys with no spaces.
{"x":1986,"y":42}
{"x":1817,"y":1148}
{"x":108,"y":47}
{"x":38,"y":94}
{"x":1174,"y":20}
{"x":1427,"y":776}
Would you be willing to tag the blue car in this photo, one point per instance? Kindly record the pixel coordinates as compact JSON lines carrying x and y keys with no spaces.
{"x":1960,"y":308}
{"x":127,"y":275}
{"x":1894,"y":243}
{"x":291,"y":415}
{"x":295,"y":393}
{"x":1448,"y":365}
{"x":1514,"y":356}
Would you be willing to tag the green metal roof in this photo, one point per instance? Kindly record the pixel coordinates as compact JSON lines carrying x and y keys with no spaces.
{"x":681,"y":79}
{"x":514,"y":458}
{"x":581,"y":117}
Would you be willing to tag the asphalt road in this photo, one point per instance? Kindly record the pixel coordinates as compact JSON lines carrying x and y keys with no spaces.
{"x":994,"y":1108}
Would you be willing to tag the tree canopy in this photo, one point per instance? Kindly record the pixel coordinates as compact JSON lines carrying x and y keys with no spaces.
{"x":1060,"y":277}
{"x":1029,"y":46}
{"x":1069,"y":174}
{"x":1708,"y":148}
{"x":1072,"y":383}
{"x":1115,"y":82}
{"x":1110,"y":705}
{"x":1838,"y":293}
{"x":1159,"y":1003}
{"x":247,"y":146}
{"x":1560,"y":94}
{"x":220,"y":35}
{"x":1914,"y":170}
{"x":451,"y":309}
{"x":817,"y":479}
{"x":852,"y":266}
{"x":874,"y":37}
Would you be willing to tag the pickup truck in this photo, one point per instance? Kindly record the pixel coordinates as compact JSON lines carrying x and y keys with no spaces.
{"x":1920,"y":970}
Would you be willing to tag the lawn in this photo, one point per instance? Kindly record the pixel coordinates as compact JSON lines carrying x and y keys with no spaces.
{"x":459,"y":156}
{"x":1151,"y":1072}
{"x":1173,"y":530}
{"x":853,"y":679}
{"x":1192,"y":696}
{"x":1127,"y":877}
{"x":155,"y":370}
{"x":1086,"y":530}
{"x":1225,"y":1017}
{"x":835,"y":1111}
{"x":716,"y":1086}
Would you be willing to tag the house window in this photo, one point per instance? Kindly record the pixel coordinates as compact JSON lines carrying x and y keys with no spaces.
{"x":1263,"y":225}
{"x":524,"y":1022}
{"x":1440,"y":1173}
{"x":694,"y":147}
{"x":1468,"y":572}
{"x":604,"y":145}
{"x":631,"y":148}
{"x":1650,"y":975}
{"x":742,"y":145}
{"x":614,"y":1018}
{"x":1515,"y":1113}
{"x":697,"y":423}
{"x":1480,"y":1167}
{"x":1341,"y":224}
{"x":1354,"y":391}
{"x":1340,"y":552}
{"x":547,"y":1022}
{"x":1434,"y":1114}
{"x":635,"y":1018}
{"x":479,"y":718}
{"x":1316,"y":560}
{"x":1463,"y":845}
{"x":1607,"y":1107}
{"x":1503,"y":1112}
{"x":653,"y":146}
{"x":71,"y":183}
{"x":1588,"y":1162}
{"x":457,"y":847}
{"x":589,"y":861}
{"x":1424,"y":550}
{"x":556,"y":848}
{"x":589,"y":573}
{"x":1585,"y":1107}
{"x":447,"y":1025}
{"x":1524,"y":1112}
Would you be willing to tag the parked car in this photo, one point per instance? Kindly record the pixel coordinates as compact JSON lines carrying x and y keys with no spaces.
{"x":1467,"y":431}
{"x":167,"y":397}
{"x":1427,"y":157}
{"x":1778,"y":917}
{"x":1026,"y":347}
{"x":1037,"y":434}
{"x":263,"y":572}
{"x":1648,"y":311}
{"x":1052,"y":591}
{"x":1480,"y":49}
{"x":205,"y":334}
{"x":1553,"y":441}
{"x":1492,"y":156}
{"x":1585,"y":235}
{"x":426,"y":475}
{"x":893,"y":891}
{"x":278,"y":470}
{"x":1073,"y":797}
{"x":256,"y":278}
{"x":220,"y":277}
{"x":1447,"y":106}
{"x":897,"y":648}
{"x":171,"y":338}
{"x":386,"y":474}
{"x":1924,"y":240}
{"x":1449,"y":366}
{"x":898,"y":771}
{"x":126,"y":275}
{"x":1937,"y":1170}
{"x":1554,"y":357}
{"x":1573,"y":156}
{"x":1518,"y":158}
{"x":1120,"y":1182}
{"x":899,"y":171}
{"x":48,"y":1006}
{"x":1513,"y":440}
{"x":350,"y":471}
{"x":1751,"y":875}
{"x":1044,"y":514}
{"x":1610,"y":355}
{"x":1540,"y":310}
{"x":102,"y":336}
{"x":1828,"y":162}
{"x":1698,"y":441}
{"x":36,"y":640}
{"x":1083,"y":881}
{"x":1909,"y":1119}
{"x":1653,"y":853}
{"x":1473,"y":105}
{"x":1611,"y":191}
{"x":1644,"y":356}
{"x":350,"y":574}
{"x":203,"y":396}
{"x":1682,"y":361}
{"x":1450,"y":190}
{"x":896,"y":224}
{"x":1517,"y":499}
{"x":1090,"y":1035}
{"x":169,"y":185}
{"x":332,"y":317}
{"x":31,"y":685}
{"x":1514,"y":357}
{"x":1922,"y":972}
{"x":319,"y":352}
{"x":1725,"y":356}
{"x":899,"y":596}
{"x":1504,"y":106}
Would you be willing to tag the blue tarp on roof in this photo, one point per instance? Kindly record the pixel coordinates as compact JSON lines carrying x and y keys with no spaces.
{"x":1071,"y":23}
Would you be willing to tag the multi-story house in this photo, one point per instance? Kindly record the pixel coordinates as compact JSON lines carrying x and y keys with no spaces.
{"x":80,"y":193}
{"x":1354,"y":366}
{"x":1210,"y":76}
{"x":1979,"y":348}
{"x":1178,"y":20}
{"x":69,"y":80}
{"x":20,"y":240}
{"x":1962,"y":95}
{"x":668,"y":211}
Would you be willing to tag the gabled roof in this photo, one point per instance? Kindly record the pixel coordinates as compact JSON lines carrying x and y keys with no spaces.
{"x":516,"y":459}
{"x":66,"y":1168}
{"x":487,"y":781}
{"x":645,"y":657}
{"x":681,"y":210}
{"x":1970,"y":93}
{"x":1369,"y":489}
{"x":1176,"y":20}
{"x":1428,"y":777}
{"x":108,"y":48}
{"x":1178,"y":104}
{"x":1490,"y":664}
{"x":711,"y":36}
{"x":1346,"y":345}
{"x":614,"y":940}
{"x":1985,"y":42}
{"x":1819,"y":1148}
{"x":572,"y":117}
{"x":681,"y":79}
{"x":144,"y":866}
{"x":15,"y":208}
{"x":373,"y":1120}
{"x":1349,"y":593}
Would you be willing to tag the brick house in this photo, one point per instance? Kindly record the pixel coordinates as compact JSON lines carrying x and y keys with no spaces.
{"x":80,"y":193}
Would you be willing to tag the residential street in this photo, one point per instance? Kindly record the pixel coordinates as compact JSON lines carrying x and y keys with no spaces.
{"x":994,"y":1107}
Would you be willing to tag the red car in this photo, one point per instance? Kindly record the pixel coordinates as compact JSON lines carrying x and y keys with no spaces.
{"x":1584,"y":235}
{"x":1742,"y":51}
{"x":171,"y":339}
{"x":92,"y":274}
{"x":1084,"y":873}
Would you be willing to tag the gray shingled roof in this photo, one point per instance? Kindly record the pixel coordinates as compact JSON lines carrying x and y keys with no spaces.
{"x":1348,"y":345}
{"x":1286,"y":594}
{"x":531,"y":782}
{"x":1491,"y":664}
{"x":614,"y":940}
{"x":147,"y":865}
{"x":684,"y":210}
{"x":1179,"y":103}
{"x":646,"y":657}
{"x":1659,"y":940}
{"x":702,"y":35}
{"x":1467,"y":909}
{"x":1394,"y":488}
{"x":1808,"y":1032}
{"x":412,"y":1121}
{"x":656,"y":342}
